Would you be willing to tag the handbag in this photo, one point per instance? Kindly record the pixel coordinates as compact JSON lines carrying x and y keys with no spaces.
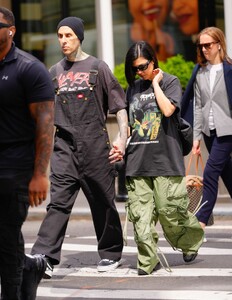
{"x":194,"y":184}
{"x":186,"y":135}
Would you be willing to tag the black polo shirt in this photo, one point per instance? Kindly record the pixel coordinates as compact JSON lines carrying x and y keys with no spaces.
{"x":23,"y":80}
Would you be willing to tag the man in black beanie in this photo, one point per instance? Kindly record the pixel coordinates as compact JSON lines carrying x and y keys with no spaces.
{"x":76,"y":24}
{"x":82,"y":156}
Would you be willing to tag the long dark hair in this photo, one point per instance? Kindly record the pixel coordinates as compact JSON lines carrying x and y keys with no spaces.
{"x":138,"y":49}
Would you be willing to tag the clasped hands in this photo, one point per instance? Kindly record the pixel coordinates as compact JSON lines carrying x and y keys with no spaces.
{"x":116,"y":154}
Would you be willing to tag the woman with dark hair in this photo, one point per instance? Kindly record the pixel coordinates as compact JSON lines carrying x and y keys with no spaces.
{"x":155,"y":172}
{"x":213,"y":115}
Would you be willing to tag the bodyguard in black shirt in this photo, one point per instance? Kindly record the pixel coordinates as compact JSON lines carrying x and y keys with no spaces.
{"x":26,"y":134}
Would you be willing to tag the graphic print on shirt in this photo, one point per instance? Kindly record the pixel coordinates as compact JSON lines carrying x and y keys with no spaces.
{"x":145,"y":117}
{"x":75,"y":104}
{"x":71,"y":82}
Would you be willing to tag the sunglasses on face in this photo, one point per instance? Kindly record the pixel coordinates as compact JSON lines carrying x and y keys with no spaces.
{"x":4,"y":25}
{"x":207,"y":46}
{"x":142,"y":67}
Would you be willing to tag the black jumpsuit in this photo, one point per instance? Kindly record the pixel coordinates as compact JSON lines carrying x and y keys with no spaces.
{"x":80,"y":160}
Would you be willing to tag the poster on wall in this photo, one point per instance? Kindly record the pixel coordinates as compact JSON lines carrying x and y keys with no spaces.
{"x":170,"y":26}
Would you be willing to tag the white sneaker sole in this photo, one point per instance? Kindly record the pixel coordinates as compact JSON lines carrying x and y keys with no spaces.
{"x":48,"y":272}
{"x":110,"y":267}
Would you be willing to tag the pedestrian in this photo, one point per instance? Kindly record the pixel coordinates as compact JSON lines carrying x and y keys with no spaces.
{"x":155,"y":171}
{"x":82,"y":157}
{"x":26,"y":136}
{"x":211,"y":114}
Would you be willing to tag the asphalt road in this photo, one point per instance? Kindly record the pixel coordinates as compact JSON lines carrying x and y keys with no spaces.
{"x":209,"y":277}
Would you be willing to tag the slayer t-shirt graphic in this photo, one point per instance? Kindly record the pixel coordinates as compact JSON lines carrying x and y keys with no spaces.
{"x":73,"y":81}
{"x":73,"y":77}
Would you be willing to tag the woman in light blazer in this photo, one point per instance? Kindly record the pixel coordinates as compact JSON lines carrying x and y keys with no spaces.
{"x":211,"y":114}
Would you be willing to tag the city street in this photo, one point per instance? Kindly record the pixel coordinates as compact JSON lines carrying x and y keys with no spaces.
{"x":208,"y":277}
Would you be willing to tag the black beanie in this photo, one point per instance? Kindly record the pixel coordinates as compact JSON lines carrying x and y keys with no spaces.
{"x":76,"y":24}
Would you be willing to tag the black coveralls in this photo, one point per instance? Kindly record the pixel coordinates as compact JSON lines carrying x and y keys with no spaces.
{"x":80,"y":160}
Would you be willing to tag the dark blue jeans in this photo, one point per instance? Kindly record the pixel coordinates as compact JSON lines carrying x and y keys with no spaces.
{"x":14,"y":205}
{"x":219,"y":163}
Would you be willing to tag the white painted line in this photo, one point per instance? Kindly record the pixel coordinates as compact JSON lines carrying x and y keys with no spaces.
{"x":213,"y":227}
{"x":214,"y":251}
{"x":133,"y":294}
{"x":126,"y":271}
{"x":131,"y":238}
{"x":129,"y":249}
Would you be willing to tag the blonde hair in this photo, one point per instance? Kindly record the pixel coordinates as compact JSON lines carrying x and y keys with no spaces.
{"x":219,"y":37}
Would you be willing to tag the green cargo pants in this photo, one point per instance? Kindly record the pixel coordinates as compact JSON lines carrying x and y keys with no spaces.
{"x":165,"y":199}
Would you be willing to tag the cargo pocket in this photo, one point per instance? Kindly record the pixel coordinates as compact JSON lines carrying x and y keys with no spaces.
{"x":172,"y":221}
{"x":133,"y":210}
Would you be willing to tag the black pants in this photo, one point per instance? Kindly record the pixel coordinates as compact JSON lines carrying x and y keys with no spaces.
{"x":14,"y":205}
{"x":74,"y":165}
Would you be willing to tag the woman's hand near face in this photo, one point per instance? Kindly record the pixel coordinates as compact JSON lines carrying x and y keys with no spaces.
{"x":164,"y":103}
{"x":158,"y":75}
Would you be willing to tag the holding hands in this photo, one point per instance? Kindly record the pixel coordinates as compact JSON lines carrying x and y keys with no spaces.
{"x":116,"y":153}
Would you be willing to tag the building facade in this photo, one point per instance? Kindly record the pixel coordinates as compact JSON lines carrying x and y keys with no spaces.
{"x":111,"y":26}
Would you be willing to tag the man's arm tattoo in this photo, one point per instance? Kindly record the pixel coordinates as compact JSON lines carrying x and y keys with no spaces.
{"x":122,"y":120}
{"x":43,"y":114}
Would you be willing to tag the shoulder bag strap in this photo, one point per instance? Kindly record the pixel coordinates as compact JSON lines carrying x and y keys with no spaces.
{"x":198,"y":159}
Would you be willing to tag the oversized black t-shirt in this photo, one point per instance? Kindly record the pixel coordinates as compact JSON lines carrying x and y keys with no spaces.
{"x":154,"y":148}
{"x":74,"y":76}
{"x":23,"y":80}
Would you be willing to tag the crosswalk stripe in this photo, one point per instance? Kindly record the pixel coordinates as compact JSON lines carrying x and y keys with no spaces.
{"x":129,"y":249}
{"x":131,"y":238}
{"x":127,"y":271}
{"x":133,"y":294}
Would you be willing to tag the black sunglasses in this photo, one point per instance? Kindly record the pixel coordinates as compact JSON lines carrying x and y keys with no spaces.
{"x":4,"y":25}
{"x":207,"y":46}
{"x":142,"y":67}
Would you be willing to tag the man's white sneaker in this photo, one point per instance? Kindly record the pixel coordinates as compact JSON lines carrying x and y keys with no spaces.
{"x":108,"y":265}
{"x":49,"y":269}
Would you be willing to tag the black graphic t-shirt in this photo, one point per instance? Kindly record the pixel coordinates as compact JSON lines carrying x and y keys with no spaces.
{"x":154,"y":148}
{"x":74,"y":77}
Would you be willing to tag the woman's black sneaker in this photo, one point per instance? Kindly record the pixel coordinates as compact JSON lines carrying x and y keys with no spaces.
{"x":189,"y":257}
{"x":156,"y":268}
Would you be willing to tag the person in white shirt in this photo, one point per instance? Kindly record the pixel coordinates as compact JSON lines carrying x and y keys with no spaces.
{"x":213,"y":115}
